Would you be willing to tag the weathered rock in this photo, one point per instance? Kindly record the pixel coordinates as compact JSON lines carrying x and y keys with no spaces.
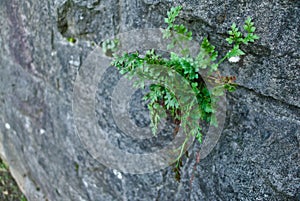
{"x":257,"y":156}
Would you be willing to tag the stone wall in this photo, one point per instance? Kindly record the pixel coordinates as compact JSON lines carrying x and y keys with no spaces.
{"x":257,"y":156}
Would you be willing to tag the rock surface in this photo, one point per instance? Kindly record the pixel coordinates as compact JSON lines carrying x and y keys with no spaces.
{"x":257,"y":156}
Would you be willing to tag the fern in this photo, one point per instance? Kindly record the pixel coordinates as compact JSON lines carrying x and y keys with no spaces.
{"x":160,"y":97}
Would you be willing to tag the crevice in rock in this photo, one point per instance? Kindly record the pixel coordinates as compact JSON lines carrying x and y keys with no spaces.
{"x":92,"y":21}
{"x":259,"y":94}
{"x":274,"y":188}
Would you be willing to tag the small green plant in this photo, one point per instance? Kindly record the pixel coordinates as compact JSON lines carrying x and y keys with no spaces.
{"x":71,"y":40}
{"x":161,"y":98}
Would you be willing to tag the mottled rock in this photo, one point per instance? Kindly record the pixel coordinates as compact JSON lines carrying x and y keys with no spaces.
{"x":257,"y":156}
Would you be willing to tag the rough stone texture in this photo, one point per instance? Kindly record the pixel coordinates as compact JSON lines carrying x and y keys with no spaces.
{"x":257,"y":157}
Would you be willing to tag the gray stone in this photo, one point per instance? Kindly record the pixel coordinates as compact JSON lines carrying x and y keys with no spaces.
{"x":257,"y":156}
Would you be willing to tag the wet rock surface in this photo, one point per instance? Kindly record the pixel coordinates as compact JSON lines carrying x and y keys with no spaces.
{"x":257,"y":156}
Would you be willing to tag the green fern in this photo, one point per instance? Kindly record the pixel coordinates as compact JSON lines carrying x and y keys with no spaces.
{"x":160,"y":97}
